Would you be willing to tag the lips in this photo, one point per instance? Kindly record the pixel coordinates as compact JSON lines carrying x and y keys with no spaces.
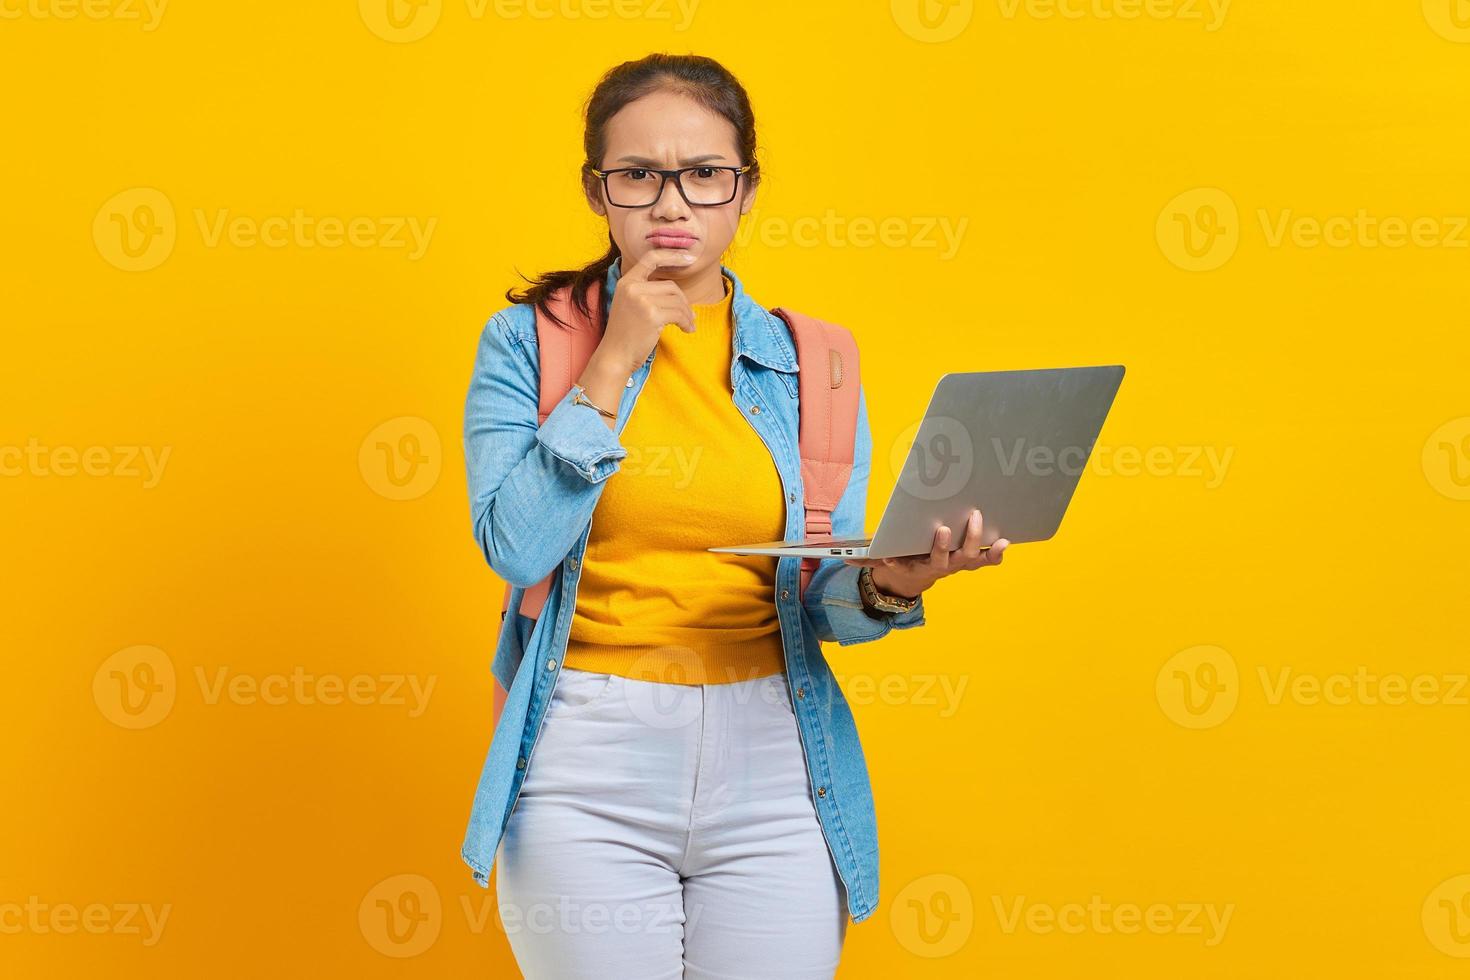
{"x":671,"y":239}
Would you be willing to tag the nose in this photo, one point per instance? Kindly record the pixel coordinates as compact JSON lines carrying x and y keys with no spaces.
{"x":670,"y":204}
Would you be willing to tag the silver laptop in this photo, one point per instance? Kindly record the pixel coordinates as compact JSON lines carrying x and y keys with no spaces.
{"x":1011,"y":443}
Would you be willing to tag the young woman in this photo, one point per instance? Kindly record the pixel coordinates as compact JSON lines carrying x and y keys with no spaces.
{"x":697,"y":804}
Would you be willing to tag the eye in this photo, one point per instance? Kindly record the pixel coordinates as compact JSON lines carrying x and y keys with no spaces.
{"x":636,"y":174}
{"x":704,"y":173}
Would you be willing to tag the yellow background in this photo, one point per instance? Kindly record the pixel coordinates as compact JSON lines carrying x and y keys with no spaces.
{"x":1075,"y":763}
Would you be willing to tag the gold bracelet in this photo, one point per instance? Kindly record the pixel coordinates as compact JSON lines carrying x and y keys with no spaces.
{"x":581,"y":399}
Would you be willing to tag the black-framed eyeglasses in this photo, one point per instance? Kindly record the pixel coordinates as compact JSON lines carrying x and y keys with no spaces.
{"x":701,"y":187}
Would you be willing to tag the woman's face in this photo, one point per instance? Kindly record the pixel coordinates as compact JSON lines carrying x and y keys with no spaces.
{"x":665,"y":131}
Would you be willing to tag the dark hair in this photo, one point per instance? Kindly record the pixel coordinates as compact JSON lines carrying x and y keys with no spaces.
{"x":704,"y":80}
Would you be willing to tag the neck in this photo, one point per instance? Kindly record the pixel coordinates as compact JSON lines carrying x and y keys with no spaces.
{"x":708,"y":287}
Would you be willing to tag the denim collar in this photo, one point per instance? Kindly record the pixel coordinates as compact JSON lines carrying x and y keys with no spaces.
{"x":760,"y":336}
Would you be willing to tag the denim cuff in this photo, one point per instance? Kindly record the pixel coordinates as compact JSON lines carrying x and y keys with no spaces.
{"x":577,"y":435}
{"x":841,"y":609}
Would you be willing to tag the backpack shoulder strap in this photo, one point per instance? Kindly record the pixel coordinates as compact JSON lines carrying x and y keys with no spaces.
{"x":828,"y":374}
{"x":564,"y":353}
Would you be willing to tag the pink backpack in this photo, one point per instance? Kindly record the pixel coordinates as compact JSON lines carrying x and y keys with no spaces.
{"x":829,"y":380}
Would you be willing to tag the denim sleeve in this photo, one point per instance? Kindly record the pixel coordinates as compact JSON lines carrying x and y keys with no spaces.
{"x":831,"y":599}
{"x":532,"y":489}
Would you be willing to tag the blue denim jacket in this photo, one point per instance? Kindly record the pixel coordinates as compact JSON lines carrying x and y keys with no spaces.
{"x":532,"y":494}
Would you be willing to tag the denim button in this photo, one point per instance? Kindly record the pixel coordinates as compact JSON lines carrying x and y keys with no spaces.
{"x":801,"y":692}
{"x":572,"y":563}
{"x":786,"y":593}
{"x":520,"y":763}
{"x":821,"y":791}
{"x":551,"y":664}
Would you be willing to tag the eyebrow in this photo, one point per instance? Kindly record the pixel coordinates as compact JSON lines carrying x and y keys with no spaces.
{"x":686,"y":162}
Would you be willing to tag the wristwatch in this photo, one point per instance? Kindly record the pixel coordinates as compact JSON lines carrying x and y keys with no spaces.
{"x":881,"y":601}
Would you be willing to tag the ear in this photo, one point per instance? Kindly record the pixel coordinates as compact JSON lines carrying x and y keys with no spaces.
{"x":747,"y":197}
{"x":592,"y":190}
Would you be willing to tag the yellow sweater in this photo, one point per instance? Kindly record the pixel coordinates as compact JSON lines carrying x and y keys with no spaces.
{"x":652,"y":603}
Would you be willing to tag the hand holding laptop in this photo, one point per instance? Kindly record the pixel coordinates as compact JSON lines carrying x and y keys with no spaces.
{"x":910,"y":575}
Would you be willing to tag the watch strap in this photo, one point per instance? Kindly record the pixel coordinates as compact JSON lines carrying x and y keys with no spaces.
{"x":879,"y":600}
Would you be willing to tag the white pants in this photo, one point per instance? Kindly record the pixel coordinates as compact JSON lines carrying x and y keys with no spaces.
{"x":668,"y":831}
